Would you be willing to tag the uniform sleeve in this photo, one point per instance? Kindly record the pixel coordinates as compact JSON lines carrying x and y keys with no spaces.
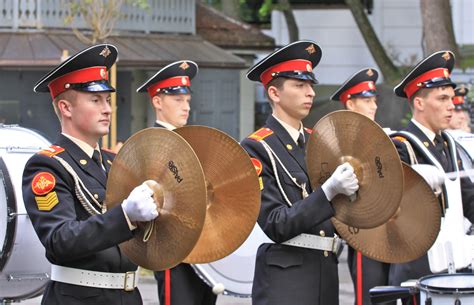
{"x":278,"y":220}
{"x":54,"y":215}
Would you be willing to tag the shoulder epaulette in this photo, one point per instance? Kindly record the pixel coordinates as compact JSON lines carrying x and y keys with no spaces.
{"x":310,"y":131}
{"x":399,"y":138}
{"x":261,"y":134}
{"x":51,"y":151}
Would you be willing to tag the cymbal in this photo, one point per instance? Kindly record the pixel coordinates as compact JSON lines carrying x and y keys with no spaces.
{"x":347,"y":136}
{"x":165,"y":157}
{"x":409,"y":234}
{"x":233,"y":193}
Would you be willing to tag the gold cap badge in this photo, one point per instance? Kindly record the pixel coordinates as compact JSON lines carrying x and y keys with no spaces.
{"x":370,"y":72}
{"x":446,"y":56}
{"x":311,"y":49}
{"x":184,"y":66}
{"x":105,"y":52}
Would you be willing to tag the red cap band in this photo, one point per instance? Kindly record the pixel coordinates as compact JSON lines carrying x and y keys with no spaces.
{"x":458,"y":100}
{"x":176,"y":81}
{"x":62,"y":83}
{"x":413,"y":86}
{"x":290,"y":65}
{"x":360,"y":87}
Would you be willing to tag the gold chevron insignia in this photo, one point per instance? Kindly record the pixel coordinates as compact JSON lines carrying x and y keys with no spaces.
{"x":48,"y":202}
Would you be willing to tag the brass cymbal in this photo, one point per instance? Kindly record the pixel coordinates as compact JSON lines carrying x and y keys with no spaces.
{"x":233,"y":193}
{"x":409,"y":234}
{"x":347,"y":136}
{"x":165,"y":157}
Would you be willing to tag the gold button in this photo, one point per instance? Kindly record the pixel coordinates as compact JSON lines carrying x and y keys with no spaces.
{"x":326,"y":253}
{"x":289,"y":147}
{"x":96,"y":196}
{"x":322,"y":233}
{"x":83,"y":162}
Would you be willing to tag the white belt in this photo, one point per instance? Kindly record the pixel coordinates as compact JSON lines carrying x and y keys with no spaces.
{"x":315,"y":242}
{"x":126,"y":281}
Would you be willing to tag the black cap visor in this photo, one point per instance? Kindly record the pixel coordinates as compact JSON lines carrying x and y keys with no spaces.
{"x":176,"y":90}
{"x":302,"y":75}
{"x":94,"y":86}
{"x":366,"y":93}
{"x":437,"y":82}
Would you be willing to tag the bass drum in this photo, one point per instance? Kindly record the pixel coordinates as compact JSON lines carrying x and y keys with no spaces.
{"x":24,"y":270}
{"x":444,"y":289}
{"x":234,"y":273}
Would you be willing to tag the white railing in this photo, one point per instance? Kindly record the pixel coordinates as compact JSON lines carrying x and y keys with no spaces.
{"x":166,"y":16}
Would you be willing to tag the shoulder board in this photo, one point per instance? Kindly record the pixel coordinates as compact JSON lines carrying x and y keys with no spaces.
{"x":310,"y":131}
{"x":400,"y":138}
{"x":261,"y":134}
{"x":51,"y":151}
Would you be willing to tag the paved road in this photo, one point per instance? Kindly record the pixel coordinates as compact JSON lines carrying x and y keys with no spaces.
{"x":147,"y":286}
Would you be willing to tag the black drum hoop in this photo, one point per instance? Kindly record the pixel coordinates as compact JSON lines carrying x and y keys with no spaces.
{"x":7,"y":246}
{"x":445,"y":290}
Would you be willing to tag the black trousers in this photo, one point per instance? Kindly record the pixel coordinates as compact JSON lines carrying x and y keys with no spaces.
{"x":187,"y":288}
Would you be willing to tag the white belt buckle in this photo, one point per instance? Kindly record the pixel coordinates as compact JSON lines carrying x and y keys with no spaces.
{"x":129,"y":275}
{"x":336,"y":243}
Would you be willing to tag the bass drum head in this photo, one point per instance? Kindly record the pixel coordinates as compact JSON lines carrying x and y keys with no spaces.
{"x":236,"y":270}
{"x":24,"y":269}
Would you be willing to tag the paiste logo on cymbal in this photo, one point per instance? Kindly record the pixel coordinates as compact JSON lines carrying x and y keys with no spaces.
{"x":370,"y":72}
{"x":105,"y":52}
{"x":184,"y":66}
{"x":311,"y":49}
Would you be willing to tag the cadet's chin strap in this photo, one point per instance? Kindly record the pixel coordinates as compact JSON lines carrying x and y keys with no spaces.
{"x":78,"y":190}
{"x":272,"y":155}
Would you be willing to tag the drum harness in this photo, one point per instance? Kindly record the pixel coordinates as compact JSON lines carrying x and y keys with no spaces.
{"x":303,"y":240}
{"x":447,"y":251}
{"x":126,"y":281}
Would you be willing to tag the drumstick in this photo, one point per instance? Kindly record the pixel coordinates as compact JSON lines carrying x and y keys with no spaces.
{"x":217,"y":288}
{"x":461,"y":174}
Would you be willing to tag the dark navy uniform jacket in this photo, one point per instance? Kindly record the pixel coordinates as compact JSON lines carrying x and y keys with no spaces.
{"x":286,"y":274}
{"x":420,"y":267}
{"x":71,"y":236}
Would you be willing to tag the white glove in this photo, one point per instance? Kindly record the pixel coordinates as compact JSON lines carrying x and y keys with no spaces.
{"x":342,"y":181}
{"x":140,"y":206}
{"x":432,"y":175}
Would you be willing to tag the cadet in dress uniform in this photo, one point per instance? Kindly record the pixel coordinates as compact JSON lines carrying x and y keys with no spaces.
{"x":359,"y":94}
{"x":170,"y":95}
{"x":430,"y":91}
{"x":64,"y":190}
{"x":460,"y":119}
{"x":301,"y":266}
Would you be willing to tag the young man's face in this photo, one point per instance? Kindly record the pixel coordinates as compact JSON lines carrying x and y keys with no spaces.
{"x":435,"y":110}
{"x":89,"y":114}
{"x":295,"y":98}
{"x":458,"y":120}
{"x":363,"y":105}
{"x":172,"y":109}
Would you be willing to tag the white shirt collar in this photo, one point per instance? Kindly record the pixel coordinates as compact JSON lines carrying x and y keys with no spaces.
{"x":294,"y":133}
{"x":429,"y":133}
{"x":166,"y":125}
{"x":89,"y":150}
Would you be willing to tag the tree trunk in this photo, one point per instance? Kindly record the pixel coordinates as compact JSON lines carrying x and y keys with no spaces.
{"x":438,"y":33}
{"x":293,"y":32}
{"x":231,"y":8}
{"x":390,"y":72}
